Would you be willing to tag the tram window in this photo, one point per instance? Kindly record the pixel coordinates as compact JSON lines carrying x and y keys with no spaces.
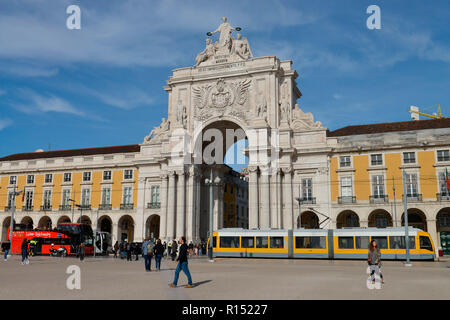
{"x":229,"y":242}
{"x":425,"y":243}
{"x":262,"y":242}
{"x":247,"y":242}
{"x":398,"y":242}
{"x":345,"y":242}
{"x":214,"y":242}
{"x":310,"y":242}
{"x":277,"y":242}
{"x":362,"y":242}
{"x":382,"y":242}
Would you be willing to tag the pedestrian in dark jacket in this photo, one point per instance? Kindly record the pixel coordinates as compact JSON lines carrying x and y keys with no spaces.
{"x":6,"y":245}
{"x":182,"y":265}
{"x":116,"y":248}
{"x":24,"y":248}
{"x":159,"y":251}
{"x":174,"y":250}
{"x":128,"y":248}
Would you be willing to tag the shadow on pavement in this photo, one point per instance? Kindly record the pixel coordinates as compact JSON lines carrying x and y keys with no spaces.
{"x":196,"y":284}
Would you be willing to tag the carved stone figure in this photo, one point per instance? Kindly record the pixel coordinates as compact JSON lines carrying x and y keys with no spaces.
{"x":181,"y":114}
{"x":285,"y":110}
{"x":157,"y":132}
{"x":241,"y":47}
{"x":225,"y":30}
{"x":261,"y":106}
{"x":206,"y":54}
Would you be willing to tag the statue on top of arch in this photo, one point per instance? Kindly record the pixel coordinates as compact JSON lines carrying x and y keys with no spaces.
{"x":227,"y":49}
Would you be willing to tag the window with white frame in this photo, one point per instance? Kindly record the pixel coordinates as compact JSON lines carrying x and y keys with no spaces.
{"x":411,"y":185}
{"x":345,"y":161}
{"x":106,"y":175}
{"x":47,"y":198}
{"x":106,"y":196}
{"x":29,"y":199}
{"x":443,"y":185}
{"x":12,"y":179}
{"x":48,"y":178}
{"x":155,"y":194}
{"x":378,"y":186}
{"x":86,"y":176}
{"x":346,"y":187}
{"x":409,"y":157}
{"x":30,"y":179}
{"x":376,"y":159}
{"x":443,"y":155}
{"x":85,"y":197}
{"x":128,"y":174}
{"x":307,"y":189}
{"x":66,"y":197}
{"x":127,"y":195}
{"x":67,"y":177}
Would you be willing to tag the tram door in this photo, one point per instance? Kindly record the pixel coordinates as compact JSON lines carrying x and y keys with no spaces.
{"x":445,"y":242}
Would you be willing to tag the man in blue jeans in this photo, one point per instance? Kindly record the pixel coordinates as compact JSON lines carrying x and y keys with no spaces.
{"x":147,"y":252}
{"x":182,"y":265}
{"x":6,"y":246}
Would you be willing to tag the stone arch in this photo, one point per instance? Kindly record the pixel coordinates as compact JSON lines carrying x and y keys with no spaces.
{"x":380,"y":218}
{"x":5,"y":225}
{"x":85,"y":220}
{"x":416,"y":218}
{"x":45,"y":223}
{"x":152,"y":226}
{"x":308,"y":220}
{"x":63,"y":219}
{"x":125,"y":228}
{"x":105,"y":224}
{"x":347,"y":219}
{"x":28,"y":222}
{"x":443,"y":220}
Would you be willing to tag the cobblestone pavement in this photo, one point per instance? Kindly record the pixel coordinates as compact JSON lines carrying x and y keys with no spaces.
{"x":108,"y":278}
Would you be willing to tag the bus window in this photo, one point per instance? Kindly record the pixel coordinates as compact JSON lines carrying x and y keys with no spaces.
{"x":345,"y":242}
{"x":262,"y":242}
{"x":425,"y":243}
{"x":229,"y":242}
{"x":310,"y":242}
{"x":362,"y":242}
{"x":247,"y":242}
{"x":398,"y":242}
{"x":277,"y":242}
{"x":382,"y":242}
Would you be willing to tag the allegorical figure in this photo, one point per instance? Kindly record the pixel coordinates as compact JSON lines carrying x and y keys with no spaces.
{"x":225,"y":30}
{"x":209,"y":52}
{"x":241,"y":47}
{"x":181,"y":114}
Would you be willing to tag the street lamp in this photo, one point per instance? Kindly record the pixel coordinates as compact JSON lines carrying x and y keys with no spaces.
{"x":11,"y":223}
{"x":210,"y":182}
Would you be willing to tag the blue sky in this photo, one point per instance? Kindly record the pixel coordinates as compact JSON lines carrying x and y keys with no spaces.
{"x":102,"y":85}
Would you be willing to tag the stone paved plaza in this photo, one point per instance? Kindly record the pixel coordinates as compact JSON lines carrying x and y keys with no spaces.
{"x":108,"y":278}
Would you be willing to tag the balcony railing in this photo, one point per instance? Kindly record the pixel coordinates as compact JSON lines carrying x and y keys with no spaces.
{"x":443,"y":196}
{"x":8,"y":208}
{"x":27,"y":208}
{"x":379,"y":198}
{"x":105,"y":206}
{"x":347,"y":199}
{"x":414,"y":197}
{"x":65,"y":207}
{"x":46,"y":207}
{"x":307,"y":200}
{"x":85,"y":207}
{"x":153,"y":205}
{"x":126,"y":206}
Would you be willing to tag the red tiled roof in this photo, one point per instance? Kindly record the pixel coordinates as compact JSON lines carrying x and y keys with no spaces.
{"x":391,"y":127}
{"x":72,"y":152}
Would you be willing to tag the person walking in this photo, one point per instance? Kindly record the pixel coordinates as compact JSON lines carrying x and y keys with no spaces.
{"x":82,"y":252}
{"x":159,"y":251}
{"x":24,"y":248}
{"x":147,"y":252}
{"x":374,"y":261}
{"x":191,"y":249}
{"x":169,"y":249}
{"x":116,"y":248}
{"x":174,"y":249}
{"x":6,"y":245}
{"x":182,"y":265}
{"x":128,"y":248}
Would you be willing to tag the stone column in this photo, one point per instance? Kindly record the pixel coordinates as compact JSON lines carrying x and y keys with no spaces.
{"x":431,"y":229}
{"x":190,"y":205}
{"x":163,"y":210}
{"x":265,"y":198}
{"x":253,"y":221}
{"x":139,"y":223}
{"x":198,"y":184}
{"x":363,"y":223}
{"x":273,"y":199}
{"x":170,"y":234}
{"x":181,"y":205}
{"x":287,"y":201}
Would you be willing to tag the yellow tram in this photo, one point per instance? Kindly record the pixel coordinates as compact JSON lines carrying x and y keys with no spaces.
{"x":352,"y":243}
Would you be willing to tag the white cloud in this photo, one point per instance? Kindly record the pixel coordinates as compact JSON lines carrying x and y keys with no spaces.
{"x":5,"y":123}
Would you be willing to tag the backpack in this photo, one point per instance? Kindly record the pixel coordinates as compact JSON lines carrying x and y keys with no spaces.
{"x":150,"y":249}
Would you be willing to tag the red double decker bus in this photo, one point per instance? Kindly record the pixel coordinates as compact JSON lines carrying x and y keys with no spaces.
{"x":67,"y":235}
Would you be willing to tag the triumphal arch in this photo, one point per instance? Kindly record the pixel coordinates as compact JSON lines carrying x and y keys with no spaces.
{"x":227,"y":95}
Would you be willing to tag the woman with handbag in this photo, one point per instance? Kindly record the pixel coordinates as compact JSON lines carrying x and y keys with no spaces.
{"x":374,"y":261}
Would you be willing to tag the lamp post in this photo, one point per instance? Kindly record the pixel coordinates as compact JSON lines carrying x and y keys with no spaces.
{"x":73,"y":207}
{"x":11,"y":223}
{"x":405,"y":214}
{"x":299,"y":199}
{"x":210,"y":182}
